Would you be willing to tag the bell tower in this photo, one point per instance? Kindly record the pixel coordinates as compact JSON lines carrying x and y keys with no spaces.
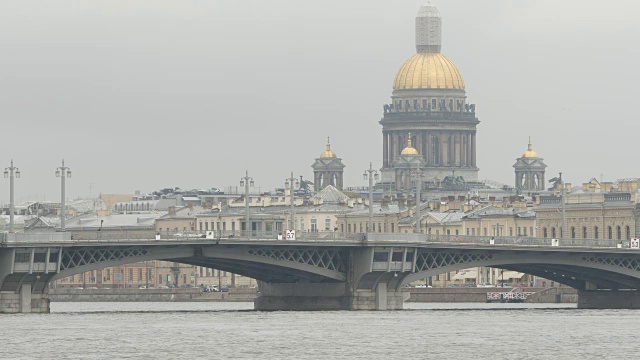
{"x":530,"y":169}
{"x":328,"y":169}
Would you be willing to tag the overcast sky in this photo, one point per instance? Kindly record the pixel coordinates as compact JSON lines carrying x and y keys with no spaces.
{"x":141,"y":95}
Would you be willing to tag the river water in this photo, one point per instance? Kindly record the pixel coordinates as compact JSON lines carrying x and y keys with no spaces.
{"x":211,"y":330}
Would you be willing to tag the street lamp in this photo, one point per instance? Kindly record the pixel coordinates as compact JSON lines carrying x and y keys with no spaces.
{"x":371,"y":175}
{"x":62,"y":172}
{"x":291,"y":184}
{"x":11,"y":172}
{"x":564,"y":219}
{"x":418,"y":175}
{"x":246,"y":181}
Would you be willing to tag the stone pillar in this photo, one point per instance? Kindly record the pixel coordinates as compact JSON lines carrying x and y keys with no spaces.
{"x":25,"y":298}
{"x":385,"y":149}
{"x":428,"y":153}
{"x":473,"y":149}
{"x":468,"y":149}
{"x":381,"y":296}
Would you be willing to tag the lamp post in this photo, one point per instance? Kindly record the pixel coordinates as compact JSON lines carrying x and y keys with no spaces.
{"x":290,"y":183}
{"x":62,"y":172}
{"x":418,"y":176}
{"x":564,"y":219}
{"x":246,"y":181}
{"x":370,"y":174}
{"x":11,"y":172}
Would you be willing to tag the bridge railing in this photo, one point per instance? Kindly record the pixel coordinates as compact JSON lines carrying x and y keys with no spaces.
{"x":496,"y":240}
{"x":261,"y":235}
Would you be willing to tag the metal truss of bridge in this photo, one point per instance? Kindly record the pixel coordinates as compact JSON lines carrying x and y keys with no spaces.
{"x":323,"y":271}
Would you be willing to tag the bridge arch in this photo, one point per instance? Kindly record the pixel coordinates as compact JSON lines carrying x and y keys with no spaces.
{"x":578,"y":270}
{"x":284,"y":264}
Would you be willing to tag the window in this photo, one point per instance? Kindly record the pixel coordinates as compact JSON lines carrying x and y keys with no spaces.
{"x":424,"y":104}
{"x":130,"y":274}
{"x":530,"y":230}
{"x":467,"y":231}
{"x":159,"y":279}
{"x":553,"y":232}
{"x":519,"y":231}
{"x":314,"y":225}
{"x":628,"y":232}
{"x":206,"y":226}
{"x":584,"y":232}
{"x":485,"y":231}
{"x":448,"y":232}
{"x":609,"y":232}
{"x":510,"y":231}
{"x":433,"y":104}
{"x":619,"y":232}
{"x":379,"y":227}
{"x":349,"y":228}
{"x":573,"y":232}
{"x":415,"y":104}
{"x":473,"y":231}
{"x":327,"y":224}
{"x":457,"y":232}
{"x":393,"y":227}
{"x":544,"y":233}
{"x":108,"y":277}
{"x":595,"y":232}
{"x":139,"y":274}
{"x":524,"y":229}
{"x":361,"y":227}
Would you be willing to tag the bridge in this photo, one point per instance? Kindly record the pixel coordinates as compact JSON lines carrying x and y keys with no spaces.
{"x":323,"y":270}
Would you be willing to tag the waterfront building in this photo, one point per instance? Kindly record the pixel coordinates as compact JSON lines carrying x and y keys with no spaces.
{"x":594,"y":211}
{"x":430,"y":102}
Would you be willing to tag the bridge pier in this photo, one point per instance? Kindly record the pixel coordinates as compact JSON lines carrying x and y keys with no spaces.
{"x":608,"y":299}
{"x":24,"y":301}
{"x":325,"y":296}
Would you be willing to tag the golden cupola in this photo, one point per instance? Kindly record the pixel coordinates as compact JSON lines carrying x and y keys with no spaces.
{"x":327,"y":153}
{"x":530,"y":153}
{"x":428,"y":68}
{"x":409,"y":150}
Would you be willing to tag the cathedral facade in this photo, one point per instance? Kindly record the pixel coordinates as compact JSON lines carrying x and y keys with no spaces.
{"x":430,"y":103}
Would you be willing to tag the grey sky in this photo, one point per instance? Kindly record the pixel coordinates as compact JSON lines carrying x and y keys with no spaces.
{"x":139,"y":95}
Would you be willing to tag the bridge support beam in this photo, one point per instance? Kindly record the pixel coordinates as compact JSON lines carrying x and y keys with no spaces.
{"x":606,"y":299}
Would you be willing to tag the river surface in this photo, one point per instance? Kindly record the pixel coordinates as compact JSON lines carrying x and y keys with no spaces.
{"x":188,"y":330}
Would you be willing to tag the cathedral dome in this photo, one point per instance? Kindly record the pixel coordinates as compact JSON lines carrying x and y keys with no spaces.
{"x":328,"y":154}
{"x":428,"y":70}
{"x":530,"y":153}
{"x":409,"y":150}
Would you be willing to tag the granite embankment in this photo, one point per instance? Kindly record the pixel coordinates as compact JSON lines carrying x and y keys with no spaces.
{"x":194,"y":294}
{"x":471,"y":294}
{"x":540,"y":295}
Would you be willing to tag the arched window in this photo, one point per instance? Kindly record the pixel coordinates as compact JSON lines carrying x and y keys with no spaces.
{"x":584,"y":232}
{"x":553,"y":232}
{"x":544,"y":233}
{"x":573,"y":232}
{"x":619,"y":232}
{"x":595,"y":232}
{"x":609,"y":233}
{"x":628,"y":232}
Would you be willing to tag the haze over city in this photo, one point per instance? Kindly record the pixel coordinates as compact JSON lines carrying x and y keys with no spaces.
{"x":140,"y":95}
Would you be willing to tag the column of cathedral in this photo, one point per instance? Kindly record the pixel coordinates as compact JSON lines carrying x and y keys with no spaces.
{"x":456,"y":148}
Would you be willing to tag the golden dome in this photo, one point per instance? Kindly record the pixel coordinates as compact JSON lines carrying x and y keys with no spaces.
{"x":328,"y":153}
{"x":529,"y":153}
{"x":428,"y":70}
{"x":409,"y":150}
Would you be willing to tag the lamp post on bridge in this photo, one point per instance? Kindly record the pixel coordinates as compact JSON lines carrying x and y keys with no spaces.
{"x":62,"y":172}
{"x":11,"y":172}
{"x":291,"y":183}
{"x":418,"y":175}
{"x":370,"y":174}
{"x":246,"y":181}
{"x":564,"y":219}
